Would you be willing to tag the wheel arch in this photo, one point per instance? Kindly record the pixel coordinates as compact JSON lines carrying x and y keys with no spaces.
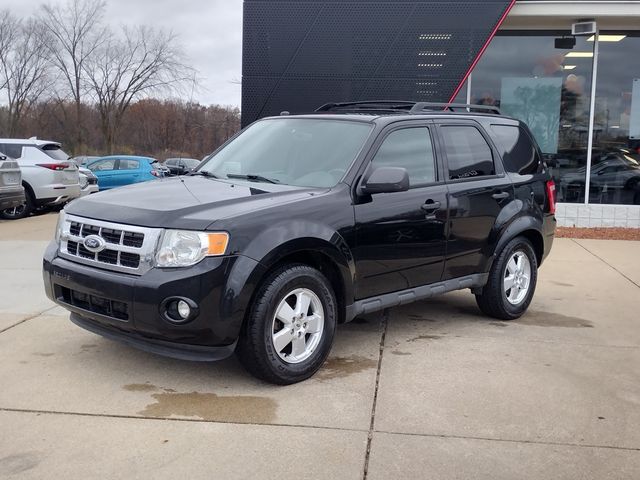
{"x":326,"y":257}
{"x":525,"y":226}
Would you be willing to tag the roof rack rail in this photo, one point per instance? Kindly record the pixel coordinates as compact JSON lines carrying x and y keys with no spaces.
{"x":368,"y":106}
{"x":419,"y":107}
{"x":403,"y":106}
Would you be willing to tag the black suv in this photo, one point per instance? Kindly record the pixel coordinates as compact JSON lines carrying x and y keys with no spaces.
{"x":300,"y":223}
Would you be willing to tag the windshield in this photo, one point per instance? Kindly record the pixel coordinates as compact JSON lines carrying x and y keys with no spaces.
{"x":291,"y":151}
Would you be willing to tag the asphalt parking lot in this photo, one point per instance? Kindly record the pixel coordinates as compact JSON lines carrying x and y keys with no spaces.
{"x":431,"y":390}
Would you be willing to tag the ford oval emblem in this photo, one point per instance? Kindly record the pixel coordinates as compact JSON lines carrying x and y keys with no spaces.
{"x":94,"y":243}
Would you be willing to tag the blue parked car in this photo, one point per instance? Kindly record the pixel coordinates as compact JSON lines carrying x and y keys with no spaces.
{"x":119,"y":170}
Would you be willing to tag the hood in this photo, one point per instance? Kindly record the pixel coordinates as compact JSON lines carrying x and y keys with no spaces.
{"x":191,"y":203}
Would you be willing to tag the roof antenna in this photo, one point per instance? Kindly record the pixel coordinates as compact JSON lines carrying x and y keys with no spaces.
{"x":285,"y":114}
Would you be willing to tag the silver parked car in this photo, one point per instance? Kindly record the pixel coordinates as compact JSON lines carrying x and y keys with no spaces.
{"x":11,"y":189}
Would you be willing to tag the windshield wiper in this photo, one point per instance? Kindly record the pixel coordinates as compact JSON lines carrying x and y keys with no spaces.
{"x":201,"y":173}
{"x":255,"y":178}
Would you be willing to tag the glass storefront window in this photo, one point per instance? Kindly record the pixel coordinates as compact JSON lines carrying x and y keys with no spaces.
{"x":615,"y":164}
{"x":549,"y":89}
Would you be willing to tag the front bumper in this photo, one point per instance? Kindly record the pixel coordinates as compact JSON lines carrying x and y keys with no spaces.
{"x":89,"y":189}
{"x":126,"y":307}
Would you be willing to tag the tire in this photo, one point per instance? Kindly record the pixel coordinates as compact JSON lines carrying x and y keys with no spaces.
{"x":291,"y":285}
{"x":22,"y":211}
{"x":498,"y":302}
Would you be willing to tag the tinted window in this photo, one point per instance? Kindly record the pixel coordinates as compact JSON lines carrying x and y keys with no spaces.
{"x":103,"y":165}
{"x":171,"y":161}
{"x":519,"y":155}
{"x":468,"y":153}
{"x":55,"y":152}
{"x":12,"y":150}
{"x":410,"y":148}
{"x":126,"y":164}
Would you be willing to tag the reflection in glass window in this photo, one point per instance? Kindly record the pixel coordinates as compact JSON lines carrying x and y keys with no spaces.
{"x":615,"y":171}
{"x":547,"y":88}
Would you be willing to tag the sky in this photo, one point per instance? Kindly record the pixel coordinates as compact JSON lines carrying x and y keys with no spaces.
{"x":210,"y":32}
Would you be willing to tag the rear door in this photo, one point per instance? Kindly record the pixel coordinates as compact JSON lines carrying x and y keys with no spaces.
{"x":401,"y":236}
{"x":129,"y":171}
{"x":478,"y":189}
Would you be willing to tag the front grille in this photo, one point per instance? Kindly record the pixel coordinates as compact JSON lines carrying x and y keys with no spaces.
{"x":93,"y":303}
{"x":126,"y":248}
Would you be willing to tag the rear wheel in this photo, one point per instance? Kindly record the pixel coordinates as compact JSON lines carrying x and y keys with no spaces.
{"x":512,"y":281}
{"x":21,"y":211}
{"x":291,"y":325}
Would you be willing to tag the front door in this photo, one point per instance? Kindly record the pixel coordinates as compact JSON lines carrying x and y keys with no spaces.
{"x":105,"y":170}
{"x":401,"y":237}
{"x":478,"y":191}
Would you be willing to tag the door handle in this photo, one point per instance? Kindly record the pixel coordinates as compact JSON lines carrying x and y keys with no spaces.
{"x":501,"y":195}
{"x":431,"y":206}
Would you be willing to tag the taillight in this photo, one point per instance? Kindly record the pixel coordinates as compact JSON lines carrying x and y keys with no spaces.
{"x":155,"y":173}
{"x":551,"y":195}
{"x":54,"y":166}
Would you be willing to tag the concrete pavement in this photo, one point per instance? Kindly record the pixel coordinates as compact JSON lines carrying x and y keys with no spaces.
{"x":430,"y":390}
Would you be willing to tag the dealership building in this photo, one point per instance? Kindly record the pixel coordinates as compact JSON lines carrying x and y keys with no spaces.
{"x":579,"y":94}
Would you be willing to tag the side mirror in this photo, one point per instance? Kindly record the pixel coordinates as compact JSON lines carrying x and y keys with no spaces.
{"x":386,"y":180}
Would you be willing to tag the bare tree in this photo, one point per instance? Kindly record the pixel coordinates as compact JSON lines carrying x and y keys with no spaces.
{"x":141,"y":62}
{"x":23,"y":70}
{"x":76,"y":32}
{"x":9,"y":27}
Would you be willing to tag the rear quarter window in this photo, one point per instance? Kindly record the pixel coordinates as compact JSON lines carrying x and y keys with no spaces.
{"x":55,"y":152}
{"x":519,"y":154}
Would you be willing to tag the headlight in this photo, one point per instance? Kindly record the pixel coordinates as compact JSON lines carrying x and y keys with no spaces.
{"x":60,"y":226}
{"x":183,"y":248}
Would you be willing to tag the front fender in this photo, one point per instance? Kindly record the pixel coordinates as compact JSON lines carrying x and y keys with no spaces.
{"x":283,"y":239}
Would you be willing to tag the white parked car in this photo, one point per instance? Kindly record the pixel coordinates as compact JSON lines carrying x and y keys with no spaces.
{"x":49,"y":177}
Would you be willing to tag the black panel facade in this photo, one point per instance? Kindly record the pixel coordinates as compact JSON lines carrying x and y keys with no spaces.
{"x":300,"y":54}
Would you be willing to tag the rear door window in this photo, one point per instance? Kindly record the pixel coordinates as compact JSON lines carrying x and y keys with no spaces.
{"x":519,"y":154}
{"x":468,"y":153}
{"x":126,"y":164}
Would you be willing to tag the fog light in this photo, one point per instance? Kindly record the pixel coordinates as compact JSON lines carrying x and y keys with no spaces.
{"x":184,"y":310}
{"x":179,"y":310}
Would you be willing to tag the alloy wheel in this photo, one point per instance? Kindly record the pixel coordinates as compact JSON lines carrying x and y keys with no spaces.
{"x":297,"y":326}
{"x":517,"y":278}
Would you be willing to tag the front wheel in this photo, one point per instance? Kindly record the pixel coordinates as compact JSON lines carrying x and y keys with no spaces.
{"x":512,"y":281}
{"x":290,"y":328}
